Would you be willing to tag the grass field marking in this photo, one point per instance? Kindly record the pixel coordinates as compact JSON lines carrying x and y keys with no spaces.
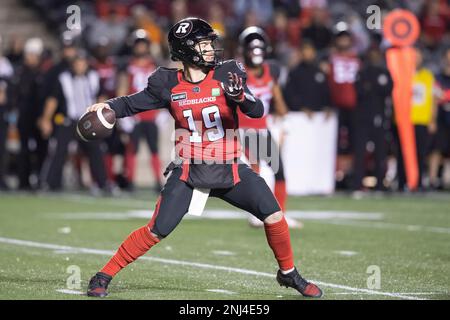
{"x":221,"y":291}
{"x":216,"y":214}
{"x":68,"y":291}
{"x":402,"y":293}
{"x":388,"y":225}
{"x":50,"y":246}
{"x":346,"y":253}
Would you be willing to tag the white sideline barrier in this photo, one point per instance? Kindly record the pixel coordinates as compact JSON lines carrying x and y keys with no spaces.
{"x":308,"y":152}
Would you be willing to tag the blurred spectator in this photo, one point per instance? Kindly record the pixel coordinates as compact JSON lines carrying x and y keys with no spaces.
{"x":318,"y":31}
{"x":374,"y":86}
{"x":441,"y":145}
{"x":106,"y":66}
{"x":76,"y":89}
{"x":434,"y":22}
{"x":28,"y":101}
{"x":344,"y":66}
{"x":6,"y":73}
{"x":146,"y":19}
{"x":423,"y":117}
{"x":15,"y":52}
{"x":263,"y":9}
{"x":112,"y":27}
{"x":133,"y":79}
{"x":178,"y":10}
{"x":279,"y":33}
{"x":216,"y":17}
{"x":307,"y":89}
{"x":68,"y":53}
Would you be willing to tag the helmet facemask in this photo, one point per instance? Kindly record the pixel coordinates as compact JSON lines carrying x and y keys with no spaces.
{"x":199,"y":51}
{"x":255,"y":53}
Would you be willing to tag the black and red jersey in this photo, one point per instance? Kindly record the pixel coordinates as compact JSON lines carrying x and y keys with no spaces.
{"x":343,"y":71}
{"x":262,"y":88}
{"x":138,"y":74}
{"x":443,"y":82}
{"x":107,"y":72}
{"x":205,"y":119}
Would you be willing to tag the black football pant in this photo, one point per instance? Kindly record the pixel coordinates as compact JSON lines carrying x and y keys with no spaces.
{"x":3,"y":136}
{"x":33,"y":150}
{"x":58,"y":148}
{"x":250,"y":194}
{"x":365,"y":132}
{"x":148,"y":130}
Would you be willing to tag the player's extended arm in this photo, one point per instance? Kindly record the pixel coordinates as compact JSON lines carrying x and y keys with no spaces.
{"x":128,"y":105}
{"x":279,"y":103}
{"x":45,"y":123}
{"x":238,"y":91}
{"x":148,"y":99}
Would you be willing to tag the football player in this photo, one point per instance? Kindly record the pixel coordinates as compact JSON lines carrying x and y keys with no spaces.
{"x":262,"y":80}
{"x":203,"y":98}
{"x":131,"y":80}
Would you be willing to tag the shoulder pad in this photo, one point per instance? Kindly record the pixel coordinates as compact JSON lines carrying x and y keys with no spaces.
{"x":161,"y":81}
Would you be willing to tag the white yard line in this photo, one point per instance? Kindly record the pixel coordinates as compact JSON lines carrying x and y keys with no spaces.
{"x":221,"y":291}
{"x":67,"y":291}
{"x":403,"y":293}
{"x":387,"y":225}
{"x":50,"y":246}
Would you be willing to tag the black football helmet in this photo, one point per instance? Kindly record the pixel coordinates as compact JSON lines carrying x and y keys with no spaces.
{"x":254,"y":45}
{"x":185,"y":35}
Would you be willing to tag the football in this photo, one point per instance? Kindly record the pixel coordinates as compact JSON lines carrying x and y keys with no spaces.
{"x":96,"y":125}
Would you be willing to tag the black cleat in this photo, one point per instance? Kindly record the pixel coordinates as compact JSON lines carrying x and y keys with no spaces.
{"x":294,"y":280}
{"x":98,"y":285}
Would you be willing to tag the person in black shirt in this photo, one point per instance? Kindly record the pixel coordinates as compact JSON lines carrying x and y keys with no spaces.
{"x":307,"y":89}
{"x":373,"y":86}
{"x":28,"y":101}
{"x":441,"y":140}
{"x":6,"y":72}
{"x":75,"y":89}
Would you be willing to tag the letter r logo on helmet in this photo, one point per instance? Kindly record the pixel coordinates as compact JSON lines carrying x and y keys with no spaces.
{"x":183,"y":29}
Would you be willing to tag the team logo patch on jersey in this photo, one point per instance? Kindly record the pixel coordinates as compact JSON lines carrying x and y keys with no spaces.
{"x":179,"y":96}
{"x":240,"y":66}
{"x":196,"y":89}
{"x":215,"y":92}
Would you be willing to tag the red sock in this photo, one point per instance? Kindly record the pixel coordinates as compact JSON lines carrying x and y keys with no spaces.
{"x":137,"y":244}
{"x":281,"y":194}
{"x":156,"y":166}
{"x":109,"y":167}
{"x":130,"y":163}
{"x":277,"y":235}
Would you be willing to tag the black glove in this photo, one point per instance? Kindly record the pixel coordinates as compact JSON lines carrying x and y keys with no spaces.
{"x":234,"y":89}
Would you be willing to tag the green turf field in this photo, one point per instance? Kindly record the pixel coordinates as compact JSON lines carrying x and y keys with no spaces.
{"x":405,"y":238}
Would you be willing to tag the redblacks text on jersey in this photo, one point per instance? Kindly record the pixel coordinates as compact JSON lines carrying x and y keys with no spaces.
{"x":205,"y":119}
